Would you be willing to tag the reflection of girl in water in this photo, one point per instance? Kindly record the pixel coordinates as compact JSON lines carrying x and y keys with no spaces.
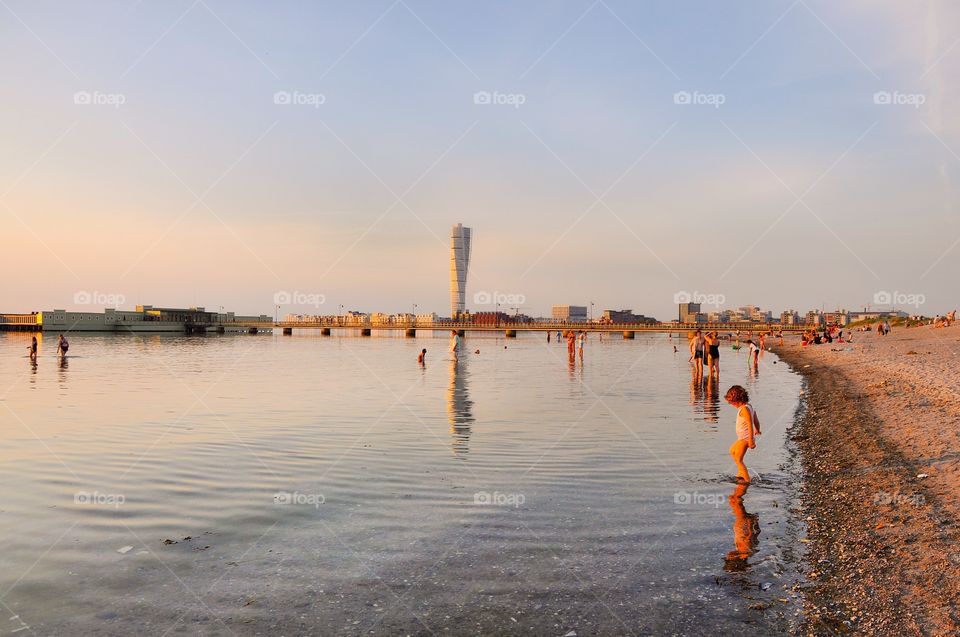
{"x":746,"y":529}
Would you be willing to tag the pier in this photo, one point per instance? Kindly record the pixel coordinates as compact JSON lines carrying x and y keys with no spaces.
{"x":212,"y":323}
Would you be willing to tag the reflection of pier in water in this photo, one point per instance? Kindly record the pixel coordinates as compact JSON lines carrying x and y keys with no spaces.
{"x":459,"y":407}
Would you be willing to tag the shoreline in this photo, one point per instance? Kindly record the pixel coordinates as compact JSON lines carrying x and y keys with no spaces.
{"x":882,"y":542}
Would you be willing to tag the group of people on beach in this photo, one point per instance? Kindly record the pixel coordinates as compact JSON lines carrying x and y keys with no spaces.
{"x":830,"y":334}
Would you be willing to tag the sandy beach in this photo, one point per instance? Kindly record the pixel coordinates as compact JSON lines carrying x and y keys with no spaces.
{"x":880,"y":449}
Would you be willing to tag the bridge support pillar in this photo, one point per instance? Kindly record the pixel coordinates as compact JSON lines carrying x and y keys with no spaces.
{"x":288,"y":331}
{"x":252,"y":330}
{"x":411,"y":332}
{"x":511,"y":333}
{"x":365,"y":331}
{"x":324,"y":331}
{"x":628,"y":334}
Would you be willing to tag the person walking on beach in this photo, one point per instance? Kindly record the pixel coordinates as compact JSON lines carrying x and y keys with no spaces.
{"x":748,"y":426}
{"x":886,"y":327}
{"x":62,"y":346}
{"x":422,"y":358}
{"x":454,"y":344}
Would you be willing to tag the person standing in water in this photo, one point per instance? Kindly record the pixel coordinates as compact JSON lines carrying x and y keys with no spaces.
{"x":571,"y":344}
{"x":713,"y":350}
{"x":62,"y":346}
{"x":696,"y":351}
{"x":753,"y":353}
{"x":748,"y":426}
{"x":32,"y":350}
{"x":581,"y":341}
{"x":422,"y":358}
{"x":454,"y":344}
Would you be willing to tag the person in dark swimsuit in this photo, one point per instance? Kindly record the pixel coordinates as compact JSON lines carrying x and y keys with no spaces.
{"x":713,"y":350}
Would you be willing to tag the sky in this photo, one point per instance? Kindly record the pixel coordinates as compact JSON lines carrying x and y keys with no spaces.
{"x":790,"y":154}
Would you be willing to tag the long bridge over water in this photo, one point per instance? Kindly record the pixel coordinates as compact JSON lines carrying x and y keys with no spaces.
{"x":511,"y":329}
{"x":326,"y":326}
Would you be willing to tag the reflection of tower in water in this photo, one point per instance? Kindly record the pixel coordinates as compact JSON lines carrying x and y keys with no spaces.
{"x":459,"y":407}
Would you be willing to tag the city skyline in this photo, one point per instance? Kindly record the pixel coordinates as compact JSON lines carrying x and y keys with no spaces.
{"x":795,"y":155}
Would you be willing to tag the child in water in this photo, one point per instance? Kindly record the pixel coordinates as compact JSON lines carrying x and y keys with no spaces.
{"x":422,"y":359}
{"x":748,"y":426}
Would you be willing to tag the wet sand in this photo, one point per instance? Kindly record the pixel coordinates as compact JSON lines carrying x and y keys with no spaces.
{"x":880,"y":450}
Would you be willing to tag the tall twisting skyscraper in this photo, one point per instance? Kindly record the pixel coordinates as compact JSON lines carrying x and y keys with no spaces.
{"x":459,"y":265}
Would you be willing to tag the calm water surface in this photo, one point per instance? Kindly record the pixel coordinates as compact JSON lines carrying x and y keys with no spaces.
{"x":329,"y":485}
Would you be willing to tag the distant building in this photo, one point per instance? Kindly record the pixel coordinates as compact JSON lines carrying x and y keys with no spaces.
{"x":789,"y":317}
{"x":570,"y":313}
{"x":814,"y":317}
{"x":426,"y":319}
{"x":460,"y":239}
{"x":688,"y":312}
{"x":839,"y":317}
{"x":875,"y":314}
{"x":490,"y":318}
{"x":617,"y":317}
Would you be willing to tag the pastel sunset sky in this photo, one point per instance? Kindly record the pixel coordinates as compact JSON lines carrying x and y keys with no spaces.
{"x":207,"y":152}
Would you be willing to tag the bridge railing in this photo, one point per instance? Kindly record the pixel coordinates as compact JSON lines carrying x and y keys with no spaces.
{"x":724,"y":328}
